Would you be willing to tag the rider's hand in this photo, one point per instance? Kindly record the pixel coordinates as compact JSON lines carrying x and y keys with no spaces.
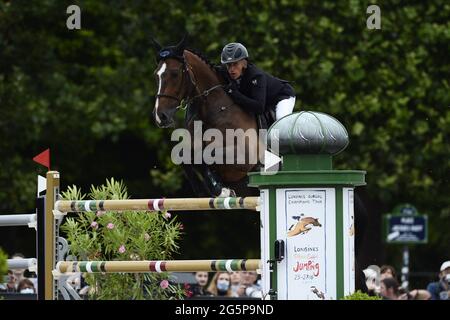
{"x":231,"y":87}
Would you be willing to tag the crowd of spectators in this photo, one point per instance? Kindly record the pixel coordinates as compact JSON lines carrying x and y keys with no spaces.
{"x":382,"y":281}
{"x":17,"y":281}
{"x":236,"y":284}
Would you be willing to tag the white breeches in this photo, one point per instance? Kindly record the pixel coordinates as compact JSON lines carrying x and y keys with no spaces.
{"x":284,"y":107}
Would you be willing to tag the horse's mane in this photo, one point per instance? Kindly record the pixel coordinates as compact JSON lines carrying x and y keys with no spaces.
{"x":202,"y":57}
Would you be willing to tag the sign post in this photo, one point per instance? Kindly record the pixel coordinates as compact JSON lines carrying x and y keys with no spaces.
{"x":405,"y":226}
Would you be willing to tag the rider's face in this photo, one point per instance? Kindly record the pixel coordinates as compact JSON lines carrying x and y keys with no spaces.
{"x":235,"y":69}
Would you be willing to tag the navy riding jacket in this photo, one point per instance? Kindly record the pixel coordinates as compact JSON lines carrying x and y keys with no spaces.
{"x":258,"y":91}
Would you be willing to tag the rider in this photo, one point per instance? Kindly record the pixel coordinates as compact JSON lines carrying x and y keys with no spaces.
{"x":252,"y":88}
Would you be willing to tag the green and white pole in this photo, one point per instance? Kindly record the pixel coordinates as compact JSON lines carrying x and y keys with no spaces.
{"x":308,"y":206}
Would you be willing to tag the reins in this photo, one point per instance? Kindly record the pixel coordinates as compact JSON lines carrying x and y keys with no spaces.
{"x":203,"y":94}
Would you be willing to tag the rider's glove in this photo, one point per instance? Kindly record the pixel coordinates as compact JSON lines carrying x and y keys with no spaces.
{"x":231,"y":87}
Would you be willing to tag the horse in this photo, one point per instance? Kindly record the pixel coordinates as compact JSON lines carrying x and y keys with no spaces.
{"x":185,"y":76}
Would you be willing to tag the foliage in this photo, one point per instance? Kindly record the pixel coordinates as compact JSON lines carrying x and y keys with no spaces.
{"x":127,"y":235}
{"x":3,"y":263}
{"x":359,"y":295}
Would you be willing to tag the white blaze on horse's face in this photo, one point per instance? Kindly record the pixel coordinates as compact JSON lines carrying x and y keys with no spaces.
{"x":159,"y":73}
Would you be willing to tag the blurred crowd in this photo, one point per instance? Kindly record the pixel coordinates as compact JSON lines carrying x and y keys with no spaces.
{"x":382,"y":281}
{"x":236,"y":284}
{"x":17,"y":281}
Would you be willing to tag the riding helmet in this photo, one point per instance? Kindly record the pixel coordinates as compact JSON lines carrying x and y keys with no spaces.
{"x":233,"y":52}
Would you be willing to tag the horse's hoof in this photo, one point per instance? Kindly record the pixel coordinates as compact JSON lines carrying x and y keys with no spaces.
{"x":227,"y":193}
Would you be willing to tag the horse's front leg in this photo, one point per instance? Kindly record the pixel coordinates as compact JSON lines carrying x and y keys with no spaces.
{"x":203,"y":178}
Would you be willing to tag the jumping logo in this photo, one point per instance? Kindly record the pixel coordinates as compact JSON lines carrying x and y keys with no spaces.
{"x":301,"y":227}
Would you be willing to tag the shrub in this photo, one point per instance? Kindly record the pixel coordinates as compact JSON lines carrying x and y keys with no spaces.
{"x":358,"y":295}
{"x":126,"y":235}
{"x":3,"y":264}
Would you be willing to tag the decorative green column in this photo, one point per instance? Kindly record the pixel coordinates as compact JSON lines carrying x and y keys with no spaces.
{"x":308,"y":207}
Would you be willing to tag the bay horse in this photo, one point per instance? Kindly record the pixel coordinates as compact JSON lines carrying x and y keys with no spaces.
{"x":185,"y":76}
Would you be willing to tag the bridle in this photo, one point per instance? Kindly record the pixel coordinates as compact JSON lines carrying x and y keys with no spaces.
{"x":183,"y":70}
{"x":182,"y":103}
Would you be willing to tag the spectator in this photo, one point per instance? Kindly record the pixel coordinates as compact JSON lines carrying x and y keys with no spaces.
{"x":18,"y":273}
{"x":360,"y":281}
{"x":243,"y":284}
{"x":26,"y":286}
{"x":248,"y":287}
{"x":9,"y":283}
{"x":387,"y":271}
{"x":372,"y":280}
{"x":235,"y":279}
{"x":440,"y":290}
{"x":416,"y":294}
{"x":389,"y":289}
{"x":198,"y":289}
{"x":220,"y":285}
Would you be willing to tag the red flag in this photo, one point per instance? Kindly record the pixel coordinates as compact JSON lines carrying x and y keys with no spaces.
{"x":43,"y":158}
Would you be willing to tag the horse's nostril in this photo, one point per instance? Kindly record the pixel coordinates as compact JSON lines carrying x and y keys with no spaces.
{"x":163,"y":117}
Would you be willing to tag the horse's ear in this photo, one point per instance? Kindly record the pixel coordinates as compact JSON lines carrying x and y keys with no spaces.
{"x":185,"y":56}
{"x":182,"y":44}
{"x":155,"y":44}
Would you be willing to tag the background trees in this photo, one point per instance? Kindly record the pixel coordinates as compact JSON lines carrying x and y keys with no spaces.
{"x":88,"y":95}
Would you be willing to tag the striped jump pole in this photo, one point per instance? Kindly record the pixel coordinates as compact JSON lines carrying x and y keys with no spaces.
{"x":158,"y":266}
{"x":182,"y":204}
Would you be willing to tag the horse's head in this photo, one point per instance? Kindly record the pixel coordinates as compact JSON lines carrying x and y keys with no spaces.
{"x":172,"y":80}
